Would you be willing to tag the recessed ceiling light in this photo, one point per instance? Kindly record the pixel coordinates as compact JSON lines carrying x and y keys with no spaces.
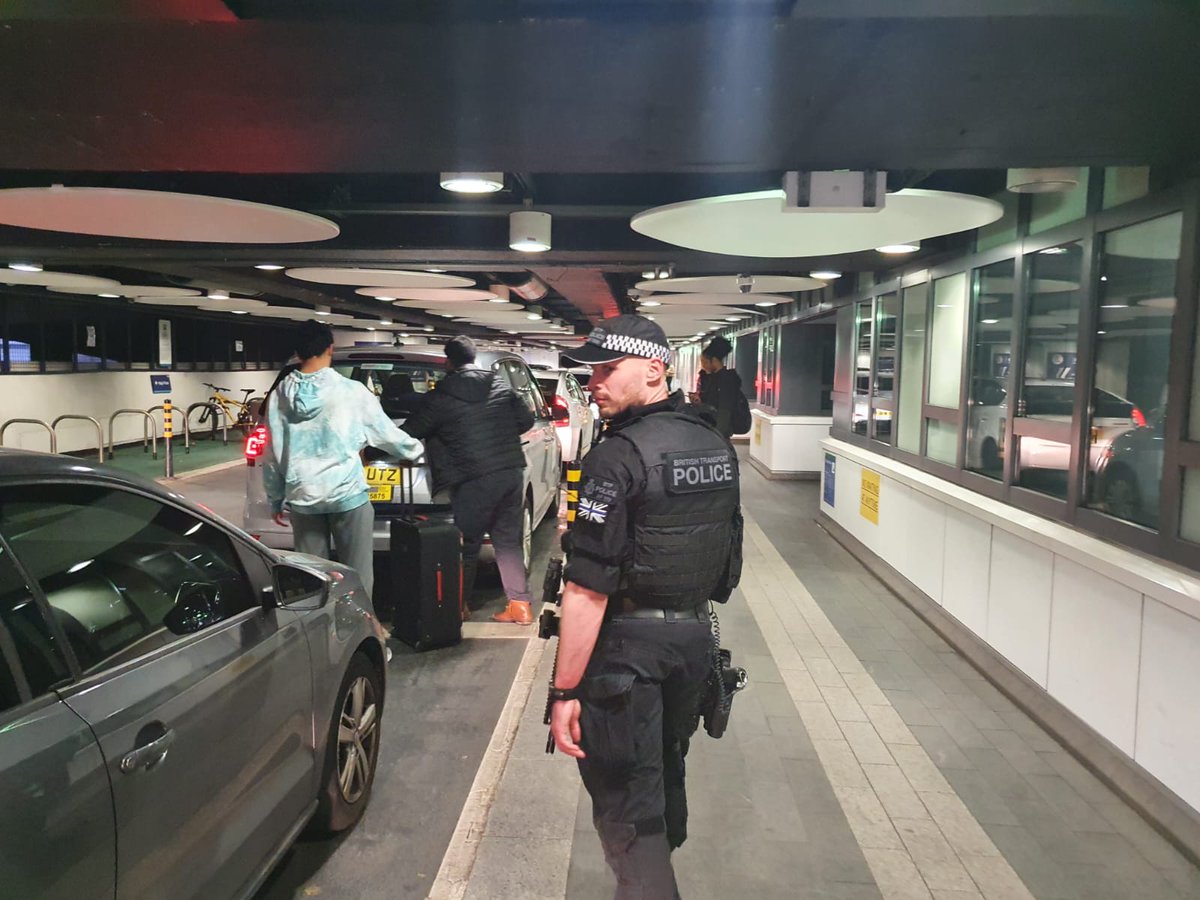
{"x":507,"y":331}
{"x":1104,"y":278}
{"x":825,"y":274}
{"x":385,"y":321}
{"x":650,"y":303}
{"x":386,"y":299}
{"x":429,"y":328}
{"x":404,"y":334}
{"x":239,"y":312}
{"x":436,"y":271}
{"x":472,"y":182}
{"x":109,"y":296}
{"x":651,"y":318}
{"x":1101,"y":332}
{"x":1114,"y":306}
{"x":269,"y":267}
{"x":893,"y":249}
{"x":989,"y":321}
{"x":25,"y":266}
{"x":732,"y":319}
{"x":1053,"y":251}
{"x":766,"y":303}
{"x":320,"y":312}
{"x":218,"y":295}
{"x":370,"y":328}
{"x":498,"y":300}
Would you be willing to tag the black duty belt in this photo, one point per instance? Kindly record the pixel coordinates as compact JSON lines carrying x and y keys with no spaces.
{"x":697,"y":614}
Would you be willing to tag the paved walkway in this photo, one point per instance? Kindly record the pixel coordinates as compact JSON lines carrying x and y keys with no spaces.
{"x":866,"y":760}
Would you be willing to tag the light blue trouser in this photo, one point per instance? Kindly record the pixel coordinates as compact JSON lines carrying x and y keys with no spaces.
{"x":352,"y":533}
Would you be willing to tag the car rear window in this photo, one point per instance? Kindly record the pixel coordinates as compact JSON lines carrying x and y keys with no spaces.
{"x":548,"y":385}
{"x":375,"y":375}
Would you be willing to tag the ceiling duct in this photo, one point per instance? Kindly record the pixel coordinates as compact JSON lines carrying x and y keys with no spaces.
{"x":530,"y":288}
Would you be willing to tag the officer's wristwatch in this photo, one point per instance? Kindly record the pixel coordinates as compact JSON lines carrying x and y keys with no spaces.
{"x":557,"y":693}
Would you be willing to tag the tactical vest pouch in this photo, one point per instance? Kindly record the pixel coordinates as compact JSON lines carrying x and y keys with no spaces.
{"x":733,"y":567}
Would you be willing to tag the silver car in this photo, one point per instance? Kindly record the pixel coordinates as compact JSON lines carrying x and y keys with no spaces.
{"x":177,"y":702}
{"x":401,"y":378}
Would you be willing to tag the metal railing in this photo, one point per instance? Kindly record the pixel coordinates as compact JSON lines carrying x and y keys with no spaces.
{"x":53,"y":436}
{"x":149,"y":429}
{"x":99,"y":430}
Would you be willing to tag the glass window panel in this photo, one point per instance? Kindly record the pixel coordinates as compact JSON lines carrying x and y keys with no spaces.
{"x":1125,"y":183}
{"x":1043,"y":465}
{"x":1052,"y":332}
{"x":119,"y":569}
{"x":863,"y":326}
{"x":37,"y":648}
{"x":1004,"y":229}
{"x":58,"y":329}
{"x":912,"y":366}
{"x":887,"y":313}
{"x":945,"y":361}
{"x":24,"y":334}
{"x":1058,"y":207}
{"x":1136,"y":295}
{"x":1189,"y":521}
{"x":992,"y":303}
{"x":941,"y":441}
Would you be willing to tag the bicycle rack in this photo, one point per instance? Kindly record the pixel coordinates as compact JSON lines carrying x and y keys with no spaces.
{"x":53,"y":436}
{"x":149,"y":429}
{"x":187,"y":428}
{"x":99,"y":430}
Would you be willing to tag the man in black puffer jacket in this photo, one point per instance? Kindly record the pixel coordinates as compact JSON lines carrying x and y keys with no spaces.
{"x":472,"y":425}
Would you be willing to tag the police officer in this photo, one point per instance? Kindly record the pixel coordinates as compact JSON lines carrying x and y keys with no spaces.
{"x":649,"y":547}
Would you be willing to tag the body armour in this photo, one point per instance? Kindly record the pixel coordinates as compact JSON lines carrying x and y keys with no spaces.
{"x":681,"y":528}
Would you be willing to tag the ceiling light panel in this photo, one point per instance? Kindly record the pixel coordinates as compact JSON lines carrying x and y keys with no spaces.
{"x":472,"y":182}
{"x":392,"y":278}
{"x":437,"y":295}
{"x":67,"y":282}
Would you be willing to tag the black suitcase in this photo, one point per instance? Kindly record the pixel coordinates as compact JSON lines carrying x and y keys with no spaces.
{"x":426,"y":579}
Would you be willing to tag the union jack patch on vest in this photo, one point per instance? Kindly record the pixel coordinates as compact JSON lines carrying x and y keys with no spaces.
{"x":593,"y":511}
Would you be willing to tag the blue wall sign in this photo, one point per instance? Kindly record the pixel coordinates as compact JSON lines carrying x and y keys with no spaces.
{"x":160,"y":384}
{"x":830,"y":477}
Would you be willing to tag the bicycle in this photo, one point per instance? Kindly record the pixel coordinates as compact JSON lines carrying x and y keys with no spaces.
{"x":238,"y":413}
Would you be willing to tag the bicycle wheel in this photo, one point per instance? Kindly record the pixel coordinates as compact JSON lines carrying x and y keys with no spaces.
{"x":205,"y":412}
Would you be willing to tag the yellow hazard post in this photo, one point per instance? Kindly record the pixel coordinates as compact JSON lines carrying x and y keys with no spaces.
{"x":168,"y":459}
{"x":574,"y":472}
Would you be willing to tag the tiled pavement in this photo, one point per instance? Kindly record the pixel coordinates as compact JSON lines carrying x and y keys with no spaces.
{"x":867,"y":760}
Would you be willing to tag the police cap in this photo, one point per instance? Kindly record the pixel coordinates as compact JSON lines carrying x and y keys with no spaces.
{"x":623,"y":336}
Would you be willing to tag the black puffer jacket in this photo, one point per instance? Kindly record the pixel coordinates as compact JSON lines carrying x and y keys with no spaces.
{"x":471,"y":424}
{"x":720,"y":390}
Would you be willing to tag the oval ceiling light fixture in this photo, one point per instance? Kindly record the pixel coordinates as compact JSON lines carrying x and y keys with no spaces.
{"x":529,"y":231}
{"x":159,"y":216}
{"x":65,"y":282}
{"x":25,"y":266}
{"x":383,"y":278}
{"x":758,"y":224}
{"x":732,"y":284}
{"x":152,"y":290}
{"x":428,"y":295}
{"x":649,"y":303}
{"x":900,"y":248}
{"x":472,"y":182}
{"x":825,"y":274}
{"x":270,"y":267}
{"x":1043,"y":181}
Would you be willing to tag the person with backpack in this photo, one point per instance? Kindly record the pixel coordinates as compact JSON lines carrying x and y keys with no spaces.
{"x":722,"y":389}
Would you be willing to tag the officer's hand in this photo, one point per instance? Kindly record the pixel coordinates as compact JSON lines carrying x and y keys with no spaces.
{"x":280,"y":519}
{"x":564,"y":725}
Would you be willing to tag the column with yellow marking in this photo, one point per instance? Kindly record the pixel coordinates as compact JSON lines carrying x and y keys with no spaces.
{"x":168,"y":433}
{"x":574,"y":472}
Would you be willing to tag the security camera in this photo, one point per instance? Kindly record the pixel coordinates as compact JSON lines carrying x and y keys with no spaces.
{"x":745,"y":283}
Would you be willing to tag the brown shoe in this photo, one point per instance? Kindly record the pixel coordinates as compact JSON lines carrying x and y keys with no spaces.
{"x":518,"y":612}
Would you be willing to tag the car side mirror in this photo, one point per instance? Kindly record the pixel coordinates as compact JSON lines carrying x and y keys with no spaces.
{"x":197,"y":605}
{"x":297,"y":588}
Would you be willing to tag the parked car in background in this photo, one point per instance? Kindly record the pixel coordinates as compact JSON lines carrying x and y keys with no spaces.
{"x":177,"y":700}
{"x":571,"y":409}
{"x":1128,"y":480}
{"x":1044,"y":399}
{"x":401,"y":377}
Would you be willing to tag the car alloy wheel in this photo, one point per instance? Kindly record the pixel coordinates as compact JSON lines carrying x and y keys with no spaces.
{"x":358,"y":732}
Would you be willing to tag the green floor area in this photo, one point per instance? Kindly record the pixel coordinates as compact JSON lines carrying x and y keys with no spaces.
{"x":204,"y":453}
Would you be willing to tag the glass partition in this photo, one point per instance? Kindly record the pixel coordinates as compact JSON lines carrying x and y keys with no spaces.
{"x":1136,"y":295}
{"x":993,"y":293}
{"x":949,"y":320}
{"x":914,"y":319}
{"x":863,"y":323}
{"x":887,"y":313}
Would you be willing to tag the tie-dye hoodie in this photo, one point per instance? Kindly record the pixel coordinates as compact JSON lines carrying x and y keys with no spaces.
{"x":318,"y":423}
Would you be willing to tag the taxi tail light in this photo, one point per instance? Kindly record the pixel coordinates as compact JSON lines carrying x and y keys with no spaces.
{"x":256,"y":444}
{"x":1139,"y":418}
{"x":560,"y":412}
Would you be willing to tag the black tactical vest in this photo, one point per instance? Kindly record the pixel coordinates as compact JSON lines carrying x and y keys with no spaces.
{"x":681,"y":527}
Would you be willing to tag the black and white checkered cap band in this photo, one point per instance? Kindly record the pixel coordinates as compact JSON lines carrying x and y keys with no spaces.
{"x":629,"y":346}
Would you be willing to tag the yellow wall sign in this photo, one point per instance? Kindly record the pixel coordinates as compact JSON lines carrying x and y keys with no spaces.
{"x":757,"y":430}
{"x":868,"y":506}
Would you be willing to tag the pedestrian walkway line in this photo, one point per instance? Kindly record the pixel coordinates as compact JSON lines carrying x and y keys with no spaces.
{"x":455,"y":871}
{"x":918,"y":837}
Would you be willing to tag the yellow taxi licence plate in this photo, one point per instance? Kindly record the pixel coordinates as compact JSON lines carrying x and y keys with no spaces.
{"x":381,"y":482}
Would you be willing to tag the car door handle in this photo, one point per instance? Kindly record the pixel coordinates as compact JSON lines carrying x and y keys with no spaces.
{"x":148,"y":755}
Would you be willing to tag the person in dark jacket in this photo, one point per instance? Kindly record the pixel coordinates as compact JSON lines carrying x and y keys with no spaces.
{"x":720,"y":387}
{"x":472,"y":425}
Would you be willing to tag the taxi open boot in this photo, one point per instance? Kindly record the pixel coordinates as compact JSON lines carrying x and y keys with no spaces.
{"x":518,"y":612}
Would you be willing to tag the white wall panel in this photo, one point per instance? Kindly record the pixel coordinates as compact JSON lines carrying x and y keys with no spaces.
{"x":1019,"y":603}
{"x":1095,"y":641}
{"x":966,"y":569}
{"x":1168,"y":725}
{"x":924,"y":531}
{"x":789,"y":443}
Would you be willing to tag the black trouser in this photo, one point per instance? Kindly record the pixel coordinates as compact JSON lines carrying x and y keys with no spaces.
{"x":493,"y":504}
{"x":639,"y":698}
